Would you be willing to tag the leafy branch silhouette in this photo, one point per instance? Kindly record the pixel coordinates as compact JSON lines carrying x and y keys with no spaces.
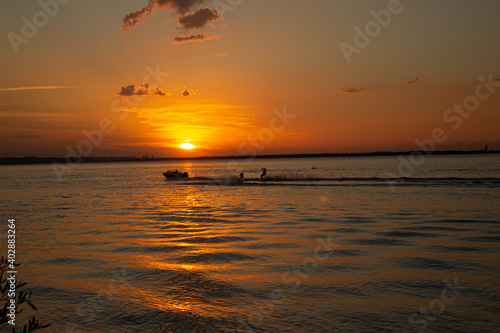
{"x":22,"y":298}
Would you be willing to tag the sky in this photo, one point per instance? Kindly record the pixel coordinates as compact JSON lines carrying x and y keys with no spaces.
{"x":136,"y":77}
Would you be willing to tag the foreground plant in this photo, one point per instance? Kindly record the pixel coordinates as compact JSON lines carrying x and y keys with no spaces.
{"x":22,"y":298}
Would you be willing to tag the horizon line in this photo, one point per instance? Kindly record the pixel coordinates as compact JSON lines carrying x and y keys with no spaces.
{"x":106,"y":158}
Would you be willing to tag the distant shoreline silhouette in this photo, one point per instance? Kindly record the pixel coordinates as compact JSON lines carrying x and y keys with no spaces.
{"x":108,"y":159}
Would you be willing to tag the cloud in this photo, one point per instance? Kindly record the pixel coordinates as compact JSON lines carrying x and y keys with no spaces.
{"x":202,"y":119}
{"x":143,"y":89}
{"x":218,"y":55}
{"x":181,"y":7}
{"x":354,"y":90}
{"x":37,"y":88}
{"x":187,"y":21}
{"x":186,"y":92}
{"x":159,"y":91}
{"x":198,"y":19}
{"x":195,"y":38}
{"x":30,"y":114}
{"x":132,"y":19}
{"x":416,"y":80}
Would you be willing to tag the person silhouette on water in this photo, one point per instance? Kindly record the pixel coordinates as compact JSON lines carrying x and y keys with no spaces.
{"x":264,"y":171}
{"x":241,"y":175}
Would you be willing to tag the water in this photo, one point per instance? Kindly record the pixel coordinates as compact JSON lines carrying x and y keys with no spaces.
{"x":117,"y":248}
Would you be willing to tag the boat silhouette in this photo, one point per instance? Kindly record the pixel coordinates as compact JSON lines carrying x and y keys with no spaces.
{"x":175,"y":174}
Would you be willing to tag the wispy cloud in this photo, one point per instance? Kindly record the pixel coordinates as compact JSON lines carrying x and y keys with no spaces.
{"x":200,"y":120}
{"x":195,"y":38}
{"x":416,"y":80}
{"x":31,"y":114}
{"x":37,"y":88}
{"x":354,"y":90}
{"x":490,"y":79}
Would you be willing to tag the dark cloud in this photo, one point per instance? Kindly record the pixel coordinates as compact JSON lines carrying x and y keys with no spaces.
{"x":132,"y":19}
{"x":353,"y":90}
{"x":195,"y":38}
{"x":143,"y":89}
{"x":198,"y":19}
{"x":159,"y":91}
{"x":188,"y":92}
{"x":127,"y":91}
{"x":187,"y":20}
{"x":414,"y":81}
{"x":181,"y":7}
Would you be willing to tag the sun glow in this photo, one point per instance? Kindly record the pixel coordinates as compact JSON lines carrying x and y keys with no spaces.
{"x":187,"y":146}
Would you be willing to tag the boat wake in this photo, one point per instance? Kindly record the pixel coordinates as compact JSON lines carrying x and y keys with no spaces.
{"x":301,"y":180}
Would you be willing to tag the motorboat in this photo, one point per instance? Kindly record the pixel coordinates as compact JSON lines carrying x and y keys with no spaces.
{"x":175,"y":174}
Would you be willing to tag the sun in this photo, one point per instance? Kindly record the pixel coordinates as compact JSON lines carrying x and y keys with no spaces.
{"x":187,"y":146}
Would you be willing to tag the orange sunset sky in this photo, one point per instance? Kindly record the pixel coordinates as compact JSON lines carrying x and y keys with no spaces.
{"x":67,"y":65}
